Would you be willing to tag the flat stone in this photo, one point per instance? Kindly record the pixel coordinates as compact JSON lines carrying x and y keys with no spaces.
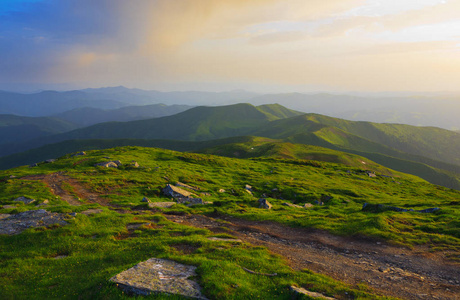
{"x":133,"y":226}
{"x":302,"y":291}
{"x":8,"y":206}
{"x":291,"y":205}
{"x":25,"y":200}
{"x":92,"y":211}
{"x":308,"y":205}
{"x":4,"y":216}
{"x":15,"y":224}
{"x":190,"y":201}
{"x":161,"y":204}
{"x":217,"y":239}
{"x":159,"y":276}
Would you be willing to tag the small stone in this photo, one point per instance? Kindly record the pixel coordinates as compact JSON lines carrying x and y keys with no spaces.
{"x":302,"y":291}
{"x":145,"y":199}
{"x":25,"y":200}
{"x":308,"y":205}
{"x":161,"y":204}
{"x":92,"y":211}
{"x":221,"y":191}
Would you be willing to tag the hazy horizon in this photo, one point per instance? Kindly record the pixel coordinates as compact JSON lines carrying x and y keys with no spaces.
{"x":265,"y":46}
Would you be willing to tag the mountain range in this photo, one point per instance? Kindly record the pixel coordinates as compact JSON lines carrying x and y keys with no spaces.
{"x":438,"y":110}
{"x":429,"y":152}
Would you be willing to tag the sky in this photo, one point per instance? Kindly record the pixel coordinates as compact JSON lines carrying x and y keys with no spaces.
{"x":219,"y":45}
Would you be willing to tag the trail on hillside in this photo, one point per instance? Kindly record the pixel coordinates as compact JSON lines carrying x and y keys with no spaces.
{"x":57,"y":182}
{"x":386,"y":269}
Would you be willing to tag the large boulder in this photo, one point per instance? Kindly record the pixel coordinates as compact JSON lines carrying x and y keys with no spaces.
{"x":159,"y":276}
{"x":263,"y":203}
{"x":176,"y":192}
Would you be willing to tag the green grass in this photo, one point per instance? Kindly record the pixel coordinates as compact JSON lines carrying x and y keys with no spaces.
{"x":99,"y":246}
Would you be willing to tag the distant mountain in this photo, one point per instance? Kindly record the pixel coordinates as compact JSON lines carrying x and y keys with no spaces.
{"x":87,"y":116}
{"x":428,"y":152}
{"x":440,"y":111}
{"x":15,"y":129}
{"x":431,"y":142}
{"x":196,"y":124}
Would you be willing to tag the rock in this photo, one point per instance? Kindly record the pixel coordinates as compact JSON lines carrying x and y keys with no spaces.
{"x":107,"y":164}
{"x":291,"y":205}
{"x":384,"y":269}
{"x":4,"y":216}
{"x":318,"y":202}
{"x":187,"y":186}
{"x":49,"y":161}
{"x":221,"y":191}
{"x":308,"y":205}
{"x":249,"y":192}
{"x":134,"y":226}
{"x":248,"y":187}
{"x":92,"y":211}
{"x":190,"y":201}
{"x":161,"y":204}
{"x":263,"y":203}
{"x":302,"y":291}
{"x":175,"y":192}
{"x":45,"y":202}
{"x":33,"y":165}
{"x":25,"y":200}
{"x":134,"y":164}
{"x":224,"y":239}
{"x":80,"y":153}
{"x":145,"y":199}
{"x":428,"y":210}
{"x":15,"y":224}
{"x":159,"y":276}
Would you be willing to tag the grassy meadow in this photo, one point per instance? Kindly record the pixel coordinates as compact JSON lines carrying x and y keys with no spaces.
{"x":76,"y":260}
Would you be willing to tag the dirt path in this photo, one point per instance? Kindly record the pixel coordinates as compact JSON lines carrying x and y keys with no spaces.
{"x":69,"y":189}
{"x":388,"y":270}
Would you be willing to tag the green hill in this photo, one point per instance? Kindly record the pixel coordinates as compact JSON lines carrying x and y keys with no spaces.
{"x":18,"y":129}
{"x":110,"y":229}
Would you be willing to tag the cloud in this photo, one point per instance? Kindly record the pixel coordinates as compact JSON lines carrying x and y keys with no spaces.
{"x":150,"y":43}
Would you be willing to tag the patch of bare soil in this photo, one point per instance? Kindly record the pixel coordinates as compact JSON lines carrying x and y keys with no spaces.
{"x":386,"y":269}
{"x":56,"y":181}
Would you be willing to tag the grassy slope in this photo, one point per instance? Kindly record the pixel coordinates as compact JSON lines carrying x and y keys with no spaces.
{"x":16,"y":128}
{"x":431,"y":142}
{"x":95,"y":247}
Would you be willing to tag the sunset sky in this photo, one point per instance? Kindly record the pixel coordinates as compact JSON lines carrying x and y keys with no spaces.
{"x":217,"y":45}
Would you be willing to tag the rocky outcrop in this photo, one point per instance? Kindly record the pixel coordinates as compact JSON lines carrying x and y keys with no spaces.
{"x":15,"y":224}
{"x":176,"y":192}
{"x":25,"y":200}
{"x":263,"y":203}
{"x":159,"y":276}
